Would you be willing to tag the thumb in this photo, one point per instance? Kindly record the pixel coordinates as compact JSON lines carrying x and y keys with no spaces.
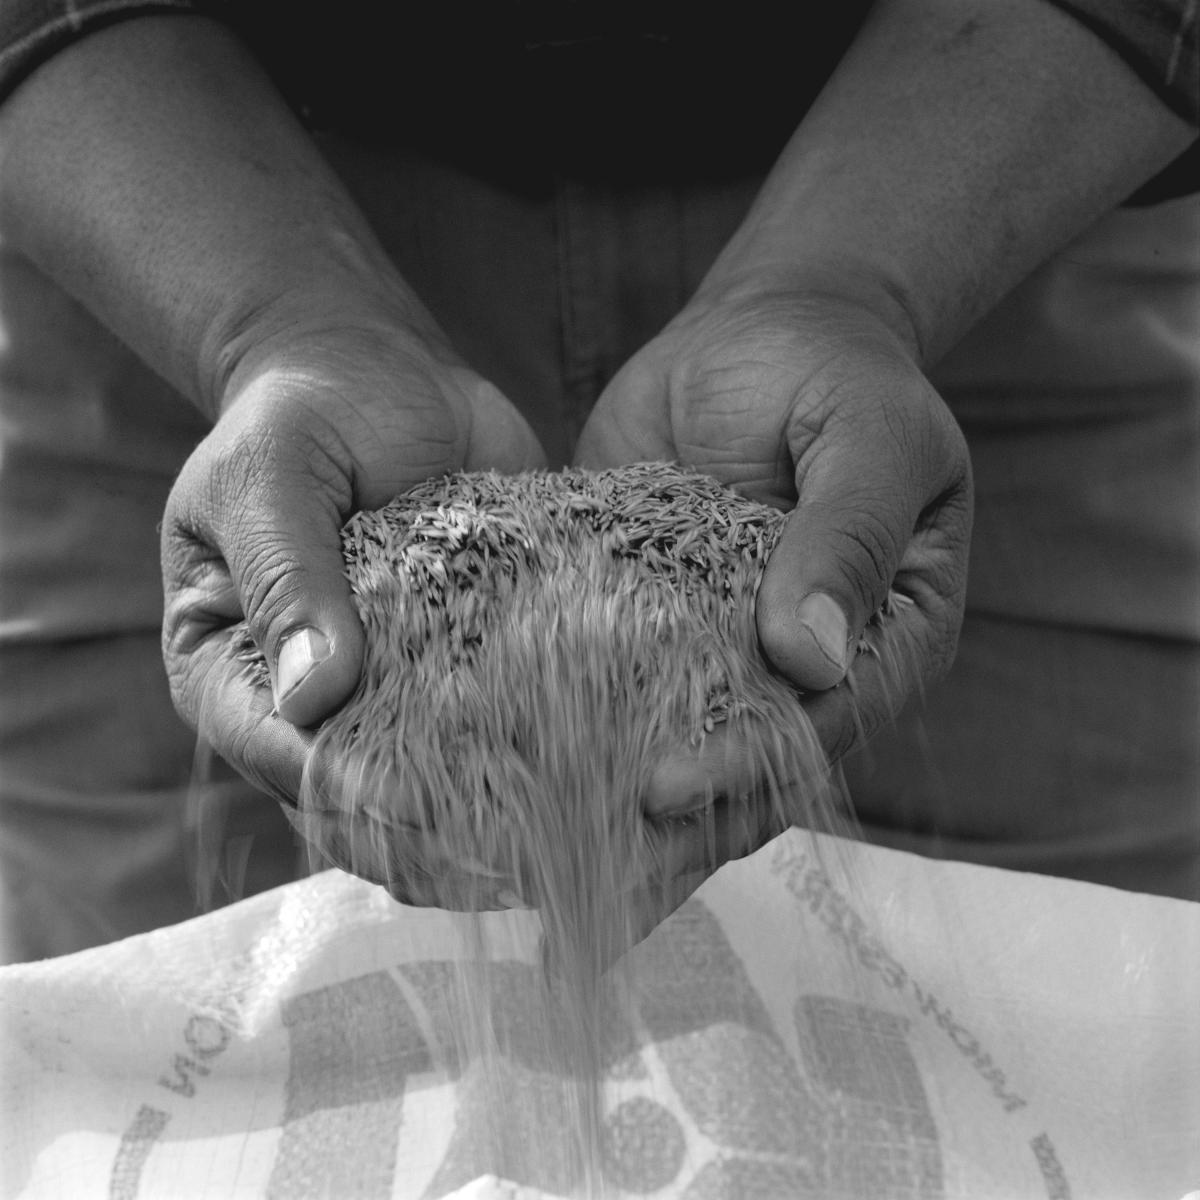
{"x":252,"y":531}
{"x":830,"y":572}
{"x":500,"y":438}
{"x":288,"y":567}
{"x":291,"y":573}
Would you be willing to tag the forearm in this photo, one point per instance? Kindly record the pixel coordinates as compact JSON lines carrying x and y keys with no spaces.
{"x":958,"y":144}
{"x":152,"y":171}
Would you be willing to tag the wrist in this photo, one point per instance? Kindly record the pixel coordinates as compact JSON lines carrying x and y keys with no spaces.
{"x":186,"y":207}
{"x":857,"y":295}
{"x":957,"y":145}
{"x":312,"y":332}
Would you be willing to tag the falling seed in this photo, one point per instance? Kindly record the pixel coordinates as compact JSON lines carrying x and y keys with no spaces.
{"x":536,"y":645}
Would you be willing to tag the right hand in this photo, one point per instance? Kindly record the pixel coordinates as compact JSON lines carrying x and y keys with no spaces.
{"x":331,"y":421}
{"x":808,"y":400}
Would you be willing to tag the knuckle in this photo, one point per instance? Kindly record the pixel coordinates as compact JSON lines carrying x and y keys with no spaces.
{"x":840,"y":736}
{"x":244,"y":461}
{"x":236,"y":745}
{"x":845,"y":739}
{"x":270,"y":589}
{"x":868,"y":552}
{"x":188,"y":558}
{"x":180,"y":683}
{"x":178,"y":633}
{"x":943,"y":649}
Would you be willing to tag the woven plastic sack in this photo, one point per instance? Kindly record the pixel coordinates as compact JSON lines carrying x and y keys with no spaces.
{"x":822,"y":1021}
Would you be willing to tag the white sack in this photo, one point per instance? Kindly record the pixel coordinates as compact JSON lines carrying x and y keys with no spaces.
{"x":825,"y":1020}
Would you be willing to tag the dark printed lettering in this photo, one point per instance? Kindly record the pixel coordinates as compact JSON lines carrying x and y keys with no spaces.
{"x":183,"y":1084}
{"x":813,"y":887}
{"x":136,"y":1143}
{"x":1057,"y":1187}
{"x":206,"y":1037}
{"x":856,"y":1121}
{"x":968,"y":1045}
{"x":879,"y":1136}
{"x":352,"y":1048}
{"x":518,"y":1112}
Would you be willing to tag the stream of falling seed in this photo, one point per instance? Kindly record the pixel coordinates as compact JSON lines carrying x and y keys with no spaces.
{"x":535,"y":645}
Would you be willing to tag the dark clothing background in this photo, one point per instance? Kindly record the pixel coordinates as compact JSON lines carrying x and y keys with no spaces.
{"x":555,"y":204}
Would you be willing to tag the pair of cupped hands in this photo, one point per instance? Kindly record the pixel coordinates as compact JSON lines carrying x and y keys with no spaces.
{"x":796,"y":396}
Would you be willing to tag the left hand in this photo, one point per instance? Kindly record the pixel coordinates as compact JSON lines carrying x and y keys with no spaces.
{"x":810,"y":401}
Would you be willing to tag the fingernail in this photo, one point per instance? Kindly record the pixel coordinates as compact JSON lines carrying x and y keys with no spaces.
{"x":298,"y":654}
{"x":825,"y":621}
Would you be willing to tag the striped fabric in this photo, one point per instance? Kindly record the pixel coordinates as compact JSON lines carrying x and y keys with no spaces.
{"x":1158,"y":38}
{"x":31,"y":31}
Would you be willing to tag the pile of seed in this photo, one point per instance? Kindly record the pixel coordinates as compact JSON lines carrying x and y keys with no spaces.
{"x":535,"y":645}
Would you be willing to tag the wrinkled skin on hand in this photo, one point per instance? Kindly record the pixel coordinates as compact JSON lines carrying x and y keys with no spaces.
{"x":798,"y":400}
{"x":811,"y":403}
{"x":311,"y":434}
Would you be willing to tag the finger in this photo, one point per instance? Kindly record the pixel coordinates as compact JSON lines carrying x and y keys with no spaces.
{"x":500,"y":437}
{"x":646,"y":909}
{"x":683,"y":847}
{"x":911,"y":643}
{"x":284,"y":551}
{"x":746,"y":760}
{"x":685,"y":853}
{"x":690,"y":779}
{"x":218,"y":697}
{"x":347,"y":813}
{"x":704,"y":840}
{"x":628,"y":422}
{"x":288,"y":563}
{"x":267,"y":515}
{"x":409,"y":862}
{"x":861,"y":492}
